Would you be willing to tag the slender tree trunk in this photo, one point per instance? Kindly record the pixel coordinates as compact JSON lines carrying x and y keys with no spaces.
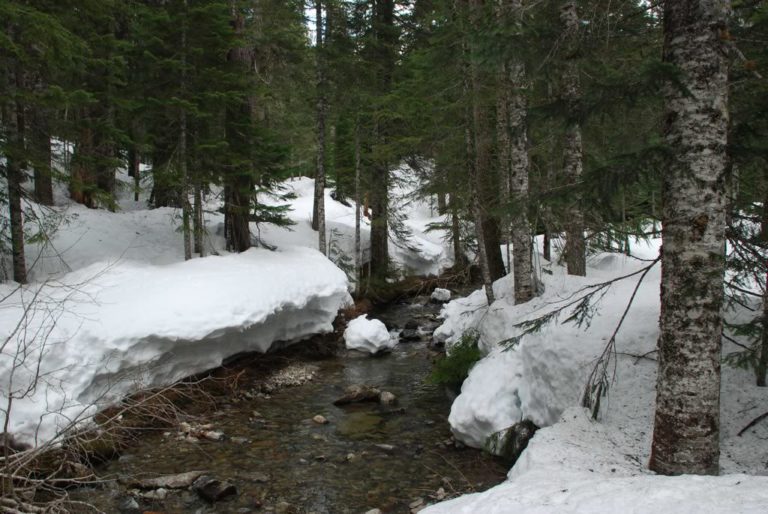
{"x":459,"y":258}
{"x":358,"y":246}
{"x":82,"y":178}
{"x":318,"y":221}
{"x":575,"y":244}
{"x":762,"y":361}
{"x":686,"y":435}
{"x":134,"y":170}
{"x":199,"y":227}
{"x":186,"y":209}
{"x":14,"y":123}
{"x":40,"y":141}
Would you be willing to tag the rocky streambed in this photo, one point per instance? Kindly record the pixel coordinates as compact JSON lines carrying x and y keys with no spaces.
{"x":280,"y":441}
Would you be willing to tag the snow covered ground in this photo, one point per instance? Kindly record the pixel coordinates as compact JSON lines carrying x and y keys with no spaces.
{"x":576,"y":464}
{"x":112,"y":306}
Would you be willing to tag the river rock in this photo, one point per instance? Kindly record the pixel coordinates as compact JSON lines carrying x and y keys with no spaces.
{"x":410,"y":335}
{"x":177,"y":481}
{"x":128,"y":505}
{"x":411,"y":324}
{"x":387,"y":398}
{"x":320,"y":420}
{"x":213,"y":490}
{"x":374,"y":511}
{"x":358,"y":394}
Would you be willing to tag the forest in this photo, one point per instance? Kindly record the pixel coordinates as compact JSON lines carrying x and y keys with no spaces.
{"x":573,"y":194}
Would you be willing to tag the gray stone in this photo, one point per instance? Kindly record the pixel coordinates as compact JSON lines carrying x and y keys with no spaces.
{"x":410,"y":335}
{"x":357,"y":394}
{"x":128,"y":505}
{"x":213,"y":490}
{"x":178,"y":481}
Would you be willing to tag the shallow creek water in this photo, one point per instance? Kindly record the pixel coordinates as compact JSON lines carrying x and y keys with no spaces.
{"x":281,"y":460}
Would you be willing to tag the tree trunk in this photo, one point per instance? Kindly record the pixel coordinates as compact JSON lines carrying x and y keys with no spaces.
{"x":82,"y":178}
{"x":687,"y":422}
{"x":358,"y":246}
{"x":459,"y":258}
{"x":239,"y":180}
{"x":186,"y":209}
{"x":512,"y":124}
{"x":40,"y":141}
{"x":318,"y":220}
{"x":134,"y":170}
{"x":384,"y":45}
{"x":575,"y":244}
{"x":198,"y":226}
{"x":762,"y":361}
{"x":14,"y":123}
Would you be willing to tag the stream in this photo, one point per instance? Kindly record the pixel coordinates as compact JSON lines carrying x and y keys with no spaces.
{"x":396,"y":457}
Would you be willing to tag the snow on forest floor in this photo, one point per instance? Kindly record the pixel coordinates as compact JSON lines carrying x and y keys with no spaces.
{"x":575,"y":464}
{"x":112,"y":306}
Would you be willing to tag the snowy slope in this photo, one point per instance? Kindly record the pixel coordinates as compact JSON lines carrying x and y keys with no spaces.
{"x":575,"y":464}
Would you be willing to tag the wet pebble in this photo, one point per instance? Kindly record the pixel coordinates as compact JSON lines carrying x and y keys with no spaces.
{"x":320,"y":420}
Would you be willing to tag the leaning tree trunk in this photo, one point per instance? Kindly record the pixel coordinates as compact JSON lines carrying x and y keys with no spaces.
{"x":575,"y":245}
{"x":318,"y":220}
{"x":687,"y":423}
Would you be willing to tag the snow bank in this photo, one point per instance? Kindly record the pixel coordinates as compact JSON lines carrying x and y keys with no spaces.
{"x":575,"y":464}
{"x":368,"y":335}
{"x":102,"y":331}
{"x":581,"y":466}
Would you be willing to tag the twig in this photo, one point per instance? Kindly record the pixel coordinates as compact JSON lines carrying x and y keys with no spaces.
{"x":752,"y":423}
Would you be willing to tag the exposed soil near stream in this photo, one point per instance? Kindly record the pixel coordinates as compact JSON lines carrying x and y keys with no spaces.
{"x":367,"y":456}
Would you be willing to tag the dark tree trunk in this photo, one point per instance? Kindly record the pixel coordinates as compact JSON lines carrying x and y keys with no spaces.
{"x":239,"y":181}
{"x":134,"y":170}
{"x":575,"y":244}
{"x":40,"y":142}
{"x":762,"y":360}
{"x":14,"y":121}
{"x":318,"y":219}
{"x":686,"y":434}
{"x":384,"y":53}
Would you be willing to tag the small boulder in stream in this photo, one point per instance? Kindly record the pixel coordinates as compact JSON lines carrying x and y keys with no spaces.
{"x":212,"y":490}
{"x":359,"y":393}
{"x":410,"y":335}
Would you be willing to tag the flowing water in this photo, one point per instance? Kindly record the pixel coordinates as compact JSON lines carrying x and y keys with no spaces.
{"x":367,"y":455}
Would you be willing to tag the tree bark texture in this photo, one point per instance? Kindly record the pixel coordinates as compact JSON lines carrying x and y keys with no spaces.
{"x":318,"y":220}
{"x":575,"y":244}
{"x":512,"y":130}
{"x":687,"y":421}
